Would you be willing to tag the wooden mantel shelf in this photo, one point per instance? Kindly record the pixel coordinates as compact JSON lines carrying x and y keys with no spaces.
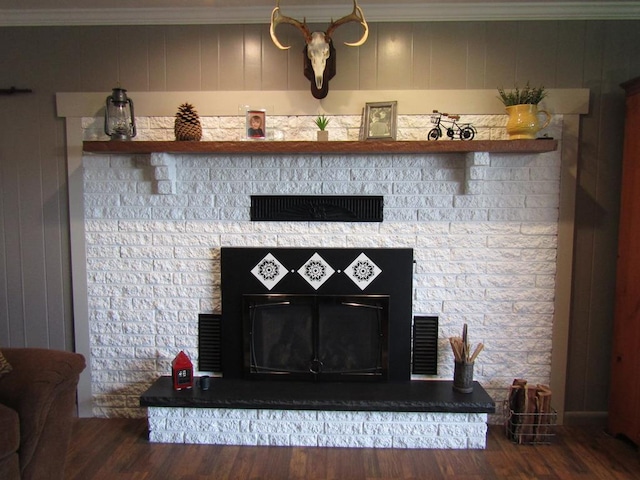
{"x":338,"y":147}
{"x":166,"y":179}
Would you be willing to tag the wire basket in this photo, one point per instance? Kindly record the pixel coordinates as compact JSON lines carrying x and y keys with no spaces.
{"x":530,"y":428}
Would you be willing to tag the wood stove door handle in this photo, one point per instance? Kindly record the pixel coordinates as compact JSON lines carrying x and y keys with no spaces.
{"x":315,"y":366}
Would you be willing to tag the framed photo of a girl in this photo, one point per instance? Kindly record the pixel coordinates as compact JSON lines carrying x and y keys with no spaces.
{"x":256,"y":124}
{"x":380,"y":121}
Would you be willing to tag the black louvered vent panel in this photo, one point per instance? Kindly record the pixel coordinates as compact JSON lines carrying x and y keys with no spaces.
{"x":316,"y":208}
{"x":209,"y":342}
{"x":425,"y":346}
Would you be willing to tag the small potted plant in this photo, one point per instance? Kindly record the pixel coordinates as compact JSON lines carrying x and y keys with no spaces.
{"x":522,"y":108}
{"x":321,"y":121}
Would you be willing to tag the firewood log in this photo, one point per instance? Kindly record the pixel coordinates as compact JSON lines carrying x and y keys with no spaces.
{"x":516,"y":406}
{"x":544,"y":419}
{"x":528,"y":415}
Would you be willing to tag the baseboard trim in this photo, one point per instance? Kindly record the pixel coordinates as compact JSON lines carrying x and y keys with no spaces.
{"x":593,"y":419}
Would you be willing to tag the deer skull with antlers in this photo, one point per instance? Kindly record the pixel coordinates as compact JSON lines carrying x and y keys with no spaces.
{"x":320,"y":63}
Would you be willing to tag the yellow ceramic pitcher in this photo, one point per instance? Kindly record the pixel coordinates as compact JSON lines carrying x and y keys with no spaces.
{"x":523,"y":121}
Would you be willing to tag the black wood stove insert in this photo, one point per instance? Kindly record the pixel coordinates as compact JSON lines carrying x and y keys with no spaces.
{"x":319,"y":337}
{"x":316,"y":314}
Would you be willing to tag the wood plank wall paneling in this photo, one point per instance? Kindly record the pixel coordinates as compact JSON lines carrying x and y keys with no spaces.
{"x":272,"y":63}
{"x":421,"y":62}
{"x":448,"y":56}
{"x":156,"y":59}
{"x":348,"y":61}
{"x":96,"y":60}
{"x":537,"y":50}
{"x":256,"y":74}
{"x":231,"y":53}
{"x":593,"y":54}
{"x":476,"y":68}
{"x":209,"y":58}
{"x":571,"y":53}
{"x":5,"y":330}
{"x":394,"y":52}
{"x":12,"y":297}
{"x":500,"y":66}
{"x":602,"y":175}
{"x":183,"y":57}
{"x":133,"y":43}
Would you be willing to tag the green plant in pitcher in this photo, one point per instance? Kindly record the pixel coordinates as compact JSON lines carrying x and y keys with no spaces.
{"x":526,"y":95}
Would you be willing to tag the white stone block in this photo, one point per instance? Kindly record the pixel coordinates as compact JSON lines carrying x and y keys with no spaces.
{"x":477,"y":443}
{"x":339,"y":428}
{"x":288,"y":415}
{"x":461,"y":429}
{"x":303,"y":440}
{"x":272,"y":440}
{"x":166,"y":437}
{"x":401,"y":429}
{"x":339,"y":416}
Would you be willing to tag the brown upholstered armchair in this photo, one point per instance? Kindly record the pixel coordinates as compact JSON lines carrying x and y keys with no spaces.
{"x":37,"y":405}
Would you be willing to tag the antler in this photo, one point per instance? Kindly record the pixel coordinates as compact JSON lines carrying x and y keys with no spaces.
{"x":356,"y":16}
{"x":277,"y":18}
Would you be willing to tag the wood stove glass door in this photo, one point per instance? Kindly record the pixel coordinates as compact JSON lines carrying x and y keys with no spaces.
{"x":281,"y":334}
{"x":331,"y":337}
{"x":351,"y":335}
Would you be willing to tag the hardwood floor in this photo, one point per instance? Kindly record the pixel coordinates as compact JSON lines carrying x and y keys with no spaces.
{"x":117,"y":449}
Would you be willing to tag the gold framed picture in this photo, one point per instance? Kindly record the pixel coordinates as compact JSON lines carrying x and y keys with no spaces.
{"x":380,"y":120}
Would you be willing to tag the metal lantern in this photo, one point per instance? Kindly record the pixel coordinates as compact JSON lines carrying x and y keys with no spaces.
{"x":119,"y":121}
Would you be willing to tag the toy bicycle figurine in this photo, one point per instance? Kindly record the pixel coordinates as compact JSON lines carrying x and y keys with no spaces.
{"x":464,"y":131}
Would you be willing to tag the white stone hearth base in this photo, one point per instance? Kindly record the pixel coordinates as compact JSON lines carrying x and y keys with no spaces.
{"x":310,"y":428}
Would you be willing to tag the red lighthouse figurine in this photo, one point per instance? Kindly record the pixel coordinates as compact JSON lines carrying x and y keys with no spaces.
{"x":182,"y":372}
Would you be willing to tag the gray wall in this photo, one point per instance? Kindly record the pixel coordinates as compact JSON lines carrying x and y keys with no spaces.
{"x":35,"y":299}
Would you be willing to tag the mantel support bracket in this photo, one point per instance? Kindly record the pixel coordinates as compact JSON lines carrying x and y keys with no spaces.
{"x":476,"y":164}
{"x":164,"y":173}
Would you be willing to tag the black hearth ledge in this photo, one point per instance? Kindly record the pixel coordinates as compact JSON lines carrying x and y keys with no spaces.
{"x":413,"y":396}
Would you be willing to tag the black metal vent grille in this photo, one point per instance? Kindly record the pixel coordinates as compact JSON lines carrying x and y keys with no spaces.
{"x":316,"y":208}
{"x":209,"y":342}
{"x":425,"y":346}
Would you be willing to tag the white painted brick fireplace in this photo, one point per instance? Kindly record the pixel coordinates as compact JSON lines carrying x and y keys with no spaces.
{"x":483,"y":228}
{"x":491,"y":236}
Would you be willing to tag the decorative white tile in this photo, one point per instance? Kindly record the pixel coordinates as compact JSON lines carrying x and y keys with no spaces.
{"x":269,"y":271}
{"x":316,"y":271}
{"x":362,"y":271}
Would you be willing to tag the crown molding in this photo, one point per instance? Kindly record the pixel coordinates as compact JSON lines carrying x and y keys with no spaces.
{"x":396,"y":12}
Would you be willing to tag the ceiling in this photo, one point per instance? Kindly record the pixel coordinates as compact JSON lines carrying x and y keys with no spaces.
{"x":47,"y":4}
{"x":146,"y":12}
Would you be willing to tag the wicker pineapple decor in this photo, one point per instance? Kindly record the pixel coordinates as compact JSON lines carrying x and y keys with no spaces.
{"x":187,"y":125}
